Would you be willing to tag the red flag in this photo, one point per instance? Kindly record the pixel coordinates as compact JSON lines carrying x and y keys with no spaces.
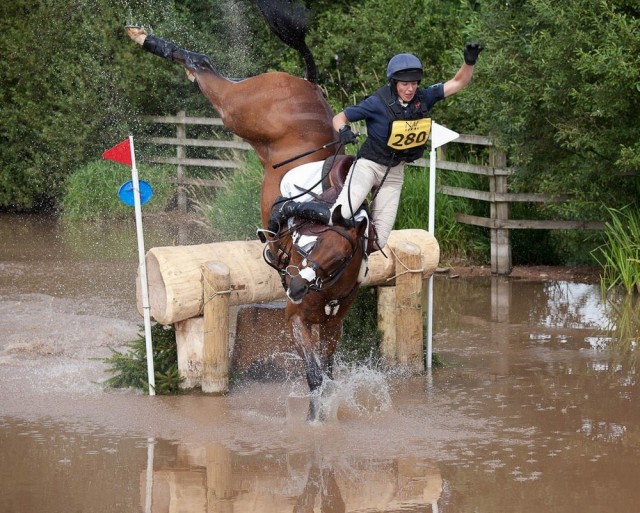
{"x":119,"y":153}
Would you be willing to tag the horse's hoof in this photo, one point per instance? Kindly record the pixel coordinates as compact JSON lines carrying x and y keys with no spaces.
{"x":316,"y":414}
{"x":137,"y":33}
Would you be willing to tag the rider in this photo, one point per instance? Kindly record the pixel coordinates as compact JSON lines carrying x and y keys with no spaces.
{"x":390,"y":144}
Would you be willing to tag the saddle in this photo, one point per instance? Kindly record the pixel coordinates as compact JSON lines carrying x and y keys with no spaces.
{"x":334,"y":173}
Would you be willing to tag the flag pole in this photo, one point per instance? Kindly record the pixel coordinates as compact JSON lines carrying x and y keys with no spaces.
{"x":146,"y":309}
{"x":440,"y":135}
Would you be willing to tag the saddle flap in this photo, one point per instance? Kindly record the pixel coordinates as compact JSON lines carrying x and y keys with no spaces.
{"x":340,"y":166}
{"x":340,"y":170}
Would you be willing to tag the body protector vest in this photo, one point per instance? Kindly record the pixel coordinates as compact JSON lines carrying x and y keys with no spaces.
{"x":408,"y":131}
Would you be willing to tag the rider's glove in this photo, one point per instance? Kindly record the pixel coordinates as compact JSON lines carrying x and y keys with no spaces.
{"x":471,"y":52}
{"x":347,"y":136}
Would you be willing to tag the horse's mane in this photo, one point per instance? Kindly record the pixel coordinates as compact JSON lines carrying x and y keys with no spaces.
{"x":289,"y":20}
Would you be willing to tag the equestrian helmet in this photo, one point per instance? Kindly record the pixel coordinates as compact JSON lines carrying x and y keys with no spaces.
{"x":404,"y":67}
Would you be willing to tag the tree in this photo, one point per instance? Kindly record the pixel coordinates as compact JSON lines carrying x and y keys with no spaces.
{"x":562,"y":95}
{"x":73,"y":84}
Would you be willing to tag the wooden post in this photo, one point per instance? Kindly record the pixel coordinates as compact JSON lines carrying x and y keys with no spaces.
{"x":215,"y":352}
{"x":500,"y":241}
{"x":181,"y":153}
{"x":387,"y":325}
{"x":409,"y":321}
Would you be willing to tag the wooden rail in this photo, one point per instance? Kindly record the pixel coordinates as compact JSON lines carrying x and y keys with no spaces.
{"x":500,"y":201}
{"x":181,"y":142}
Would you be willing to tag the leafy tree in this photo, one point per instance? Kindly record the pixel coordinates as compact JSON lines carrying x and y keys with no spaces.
{"x":73,"y":84}
{"x":562,"y":94}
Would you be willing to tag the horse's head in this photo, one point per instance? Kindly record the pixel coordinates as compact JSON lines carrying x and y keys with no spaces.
{"x":323,"y":257}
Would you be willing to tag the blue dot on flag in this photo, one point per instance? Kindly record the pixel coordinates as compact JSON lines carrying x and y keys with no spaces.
{"x":125,"y":193}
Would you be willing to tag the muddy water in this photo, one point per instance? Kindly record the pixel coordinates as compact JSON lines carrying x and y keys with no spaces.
{"x":537,"y":409}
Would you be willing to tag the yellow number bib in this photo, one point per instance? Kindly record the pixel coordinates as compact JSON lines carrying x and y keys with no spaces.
{"x":407,"y":134}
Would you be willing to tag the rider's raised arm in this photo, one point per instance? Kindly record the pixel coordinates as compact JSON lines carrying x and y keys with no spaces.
{"x":464,"y":74}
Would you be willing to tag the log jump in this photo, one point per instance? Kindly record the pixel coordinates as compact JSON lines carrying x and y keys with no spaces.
{"x":184,"y":290}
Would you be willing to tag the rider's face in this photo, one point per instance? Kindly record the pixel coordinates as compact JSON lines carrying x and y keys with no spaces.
{"x":406,"y":90}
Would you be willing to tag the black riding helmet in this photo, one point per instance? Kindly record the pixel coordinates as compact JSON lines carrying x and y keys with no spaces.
{"x":404,"y":67}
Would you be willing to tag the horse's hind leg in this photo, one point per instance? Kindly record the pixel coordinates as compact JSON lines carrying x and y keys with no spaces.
{"x":166,"y":49}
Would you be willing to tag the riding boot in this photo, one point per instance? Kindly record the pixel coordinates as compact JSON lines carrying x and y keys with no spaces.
{"x":311,"y":210}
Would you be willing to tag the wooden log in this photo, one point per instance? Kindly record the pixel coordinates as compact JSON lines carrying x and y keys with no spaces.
{"x":215,"y":351}
{"x":382,"y":268}
{"x":174,"y":273}
{"x":409,"y":320}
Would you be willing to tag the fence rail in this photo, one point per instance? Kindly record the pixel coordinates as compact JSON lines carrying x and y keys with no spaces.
{"x":499,"y":222}
{"x":497,"y":173}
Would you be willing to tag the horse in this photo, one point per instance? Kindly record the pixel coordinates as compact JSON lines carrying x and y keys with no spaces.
{"x":288,"y":122}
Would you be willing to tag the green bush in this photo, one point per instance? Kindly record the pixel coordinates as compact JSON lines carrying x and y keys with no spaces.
{"x":91,"y":192}
{"x":130,"y":369}
{"x":361,"y":338}
{"x":234,"y":212}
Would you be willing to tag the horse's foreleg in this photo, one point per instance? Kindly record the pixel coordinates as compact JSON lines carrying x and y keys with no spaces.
{"x":304,"y":341}
{"x":315,"y":364}
{"x":330,"y":333}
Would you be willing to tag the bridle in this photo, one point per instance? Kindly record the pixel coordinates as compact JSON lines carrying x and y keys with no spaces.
{"x":323,"y":279}
{"x":330,"y":278}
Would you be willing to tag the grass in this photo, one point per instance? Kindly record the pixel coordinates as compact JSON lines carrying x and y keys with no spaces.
{"x":234,"y":212}
{"x":619,"y":256}
{"x":91,"y":192}
{"x":458,"y":242}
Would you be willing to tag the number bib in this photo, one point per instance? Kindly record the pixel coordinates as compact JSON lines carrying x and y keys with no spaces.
{"x":409,"y":133}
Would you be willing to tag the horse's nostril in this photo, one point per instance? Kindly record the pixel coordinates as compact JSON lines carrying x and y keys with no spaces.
{"x":297,"y":290}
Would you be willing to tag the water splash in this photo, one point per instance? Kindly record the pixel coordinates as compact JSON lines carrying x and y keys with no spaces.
{"x":356,"y":390}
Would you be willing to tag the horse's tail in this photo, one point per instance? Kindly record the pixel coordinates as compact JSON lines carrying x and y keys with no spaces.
{"x":289,"y":20}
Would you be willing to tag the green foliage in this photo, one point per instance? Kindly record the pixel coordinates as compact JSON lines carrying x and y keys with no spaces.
{"x":352,"y":43}
{"x":130,"y":368}
{"x":561,"y":95}
{"x":619,"y":256}
{"x":73,"y":83}
{"x":91,"y":192}
{"x":557,"y":85}
{"x":234,"y":213}
{"x":361,"y":338}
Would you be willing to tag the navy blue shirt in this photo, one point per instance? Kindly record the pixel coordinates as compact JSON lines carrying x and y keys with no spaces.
{"x":376,"y":114}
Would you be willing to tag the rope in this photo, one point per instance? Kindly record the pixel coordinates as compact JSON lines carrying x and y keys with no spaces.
{"x":214,"y":293}
{"x":407,"y":271}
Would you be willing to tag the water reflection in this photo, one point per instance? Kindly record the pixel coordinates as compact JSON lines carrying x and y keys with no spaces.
{"x":213,"y":478}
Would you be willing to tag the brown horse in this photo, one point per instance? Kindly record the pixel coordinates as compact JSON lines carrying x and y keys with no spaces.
{"x":283,"y":116}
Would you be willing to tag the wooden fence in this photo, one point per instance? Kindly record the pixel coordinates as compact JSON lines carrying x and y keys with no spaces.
{"x":500,"y":201}
{"x":497,"y":173}
{"x":182,"y":142}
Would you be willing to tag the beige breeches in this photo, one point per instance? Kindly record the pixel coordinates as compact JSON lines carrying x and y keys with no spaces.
{"x":362,"y":178}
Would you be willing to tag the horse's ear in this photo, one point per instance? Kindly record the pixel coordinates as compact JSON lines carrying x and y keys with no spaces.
{"x":361,"y":227}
